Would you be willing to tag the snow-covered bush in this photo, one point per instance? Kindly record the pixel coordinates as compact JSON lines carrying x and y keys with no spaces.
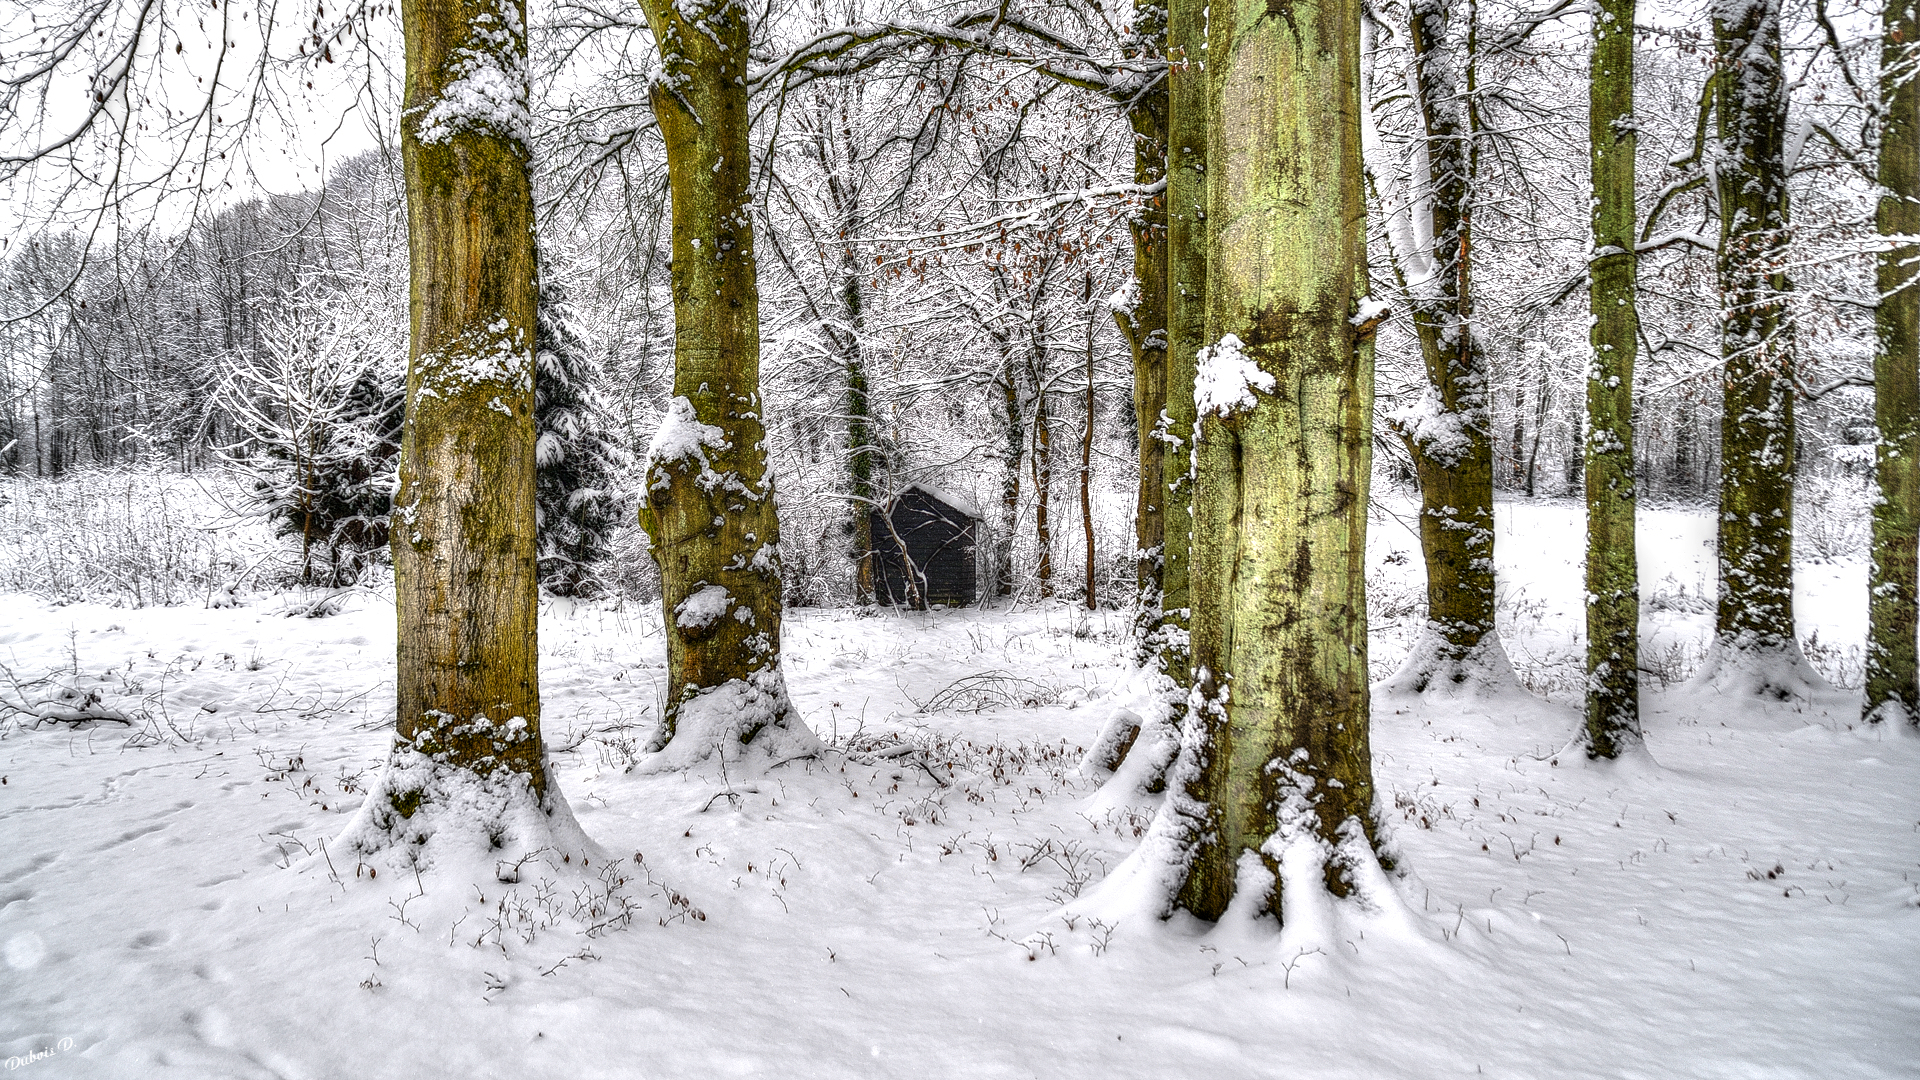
{"x":1834,"y":516}
{"x":320,"y":413}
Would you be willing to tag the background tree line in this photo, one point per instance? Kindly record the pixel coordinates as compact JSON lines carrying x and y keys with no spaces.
{"x":908,"y":220}
{"x":943,"y":230}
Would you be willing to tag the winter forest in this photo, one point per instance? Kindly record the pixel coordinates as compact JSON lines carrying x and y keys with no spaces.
{"x":900,"y":538}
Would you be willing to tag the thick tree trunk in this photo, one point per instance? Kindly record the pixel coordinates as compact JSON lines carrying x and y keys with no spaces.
{"x":1186,"y":318}
{"x":466,"y":787}
{"x":1275,"y":780}
{"x":1449,"y":433}
{"x":1753,"y":629}
{"x":465,"y":584}
{"x":1892,"y":692}
{"x":709,"y":505}
{"x":1613,"y":568}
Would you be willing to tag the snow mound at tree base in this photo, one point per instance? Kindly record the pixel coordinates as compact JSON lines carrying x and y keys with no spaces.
{"x":462,"y":857}
{"x":1437,"y":669}
{"x":1741,"y":666}
{"x":1137,"y":744}
{"x":1134,"y":906}
{"x":1634,"y":761}
{"x":1894,"y":716}
{"x":746,"y":726}
{"x":1296,"y":860}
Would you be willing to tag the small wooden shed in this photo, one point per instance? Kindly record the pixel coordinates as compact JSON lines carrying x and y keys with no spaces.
{"x":923,"y":549}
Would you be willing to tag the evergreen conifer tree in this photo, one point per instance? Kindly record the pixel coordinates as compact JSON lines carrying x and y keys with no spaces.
{"x":356,"y":500}
{"x":578,"y":463}
{"x":321,"y":415}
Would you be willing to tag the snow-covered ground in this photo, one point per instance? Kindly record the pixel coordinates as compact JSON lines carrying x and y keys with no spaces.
{"x":1749,"y":907}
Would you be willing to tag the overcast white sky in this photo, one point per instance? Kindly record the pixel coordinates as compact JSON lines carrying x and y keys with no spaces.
{"x":276,"y":126}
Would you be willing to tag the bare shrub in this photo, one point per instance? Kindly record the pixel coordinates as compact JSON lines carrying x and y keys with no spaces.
{"x":133,"y":538}
{"x":1844,"y":666}
{"x":1832,"y":517}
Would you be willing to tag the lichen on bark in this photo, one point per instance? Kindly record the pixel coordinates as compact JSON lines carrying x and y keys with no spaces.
{"x":708,"y":506}
{"x":1274,"y":782}
{"x":1613,"y":584}
{"x":1892,"y":691}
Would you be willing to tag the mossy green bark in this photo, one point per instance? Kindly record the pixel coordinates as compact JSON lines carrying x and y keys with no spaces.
{"x":1892,"y":596}
{"x":712,"y":522}
{"x":1145,"y":325}
{"x":465,"y":583}
{"x":1186,"y":319}
{"x":1613,"y":569}
{"x":1280,"y":494}
{"x":860,"y":448}
{"x":1452,"y":443}
{"x":1755,"y":611}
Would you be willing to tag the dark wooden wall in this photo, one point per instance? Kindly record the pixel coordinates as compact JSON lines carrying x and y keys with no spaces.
{"x":939,"y":540}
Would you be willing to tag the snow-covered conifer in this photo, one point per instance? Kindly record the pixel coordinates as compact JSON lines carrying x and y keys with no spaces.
{"x":578,"y":496}
{"x":320,"y":415}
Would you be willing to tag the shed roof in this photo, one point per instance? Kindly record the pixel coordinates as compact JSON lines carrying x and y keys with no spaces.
{"x":964,"y":505}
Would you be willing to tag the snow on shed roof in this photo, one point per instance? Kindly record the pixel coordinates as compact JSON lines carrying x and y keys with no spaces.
{"x":964,"y":505}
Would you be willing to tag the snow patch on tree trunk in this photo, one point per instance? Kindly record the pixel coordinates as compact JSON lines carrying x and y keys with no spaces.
{"x":683,"y":437}
{"x":1440,"y":433}
{"x":1226,"y":377}
{"x":489,"y":87}
{"x":705,"y":607}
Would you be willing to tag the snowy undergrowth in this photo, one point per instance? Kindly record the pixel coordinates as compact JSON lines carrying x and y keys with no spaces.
{"x":1742,"y":904}
{"x":1540,"y":547}
{"x":135,"y":537}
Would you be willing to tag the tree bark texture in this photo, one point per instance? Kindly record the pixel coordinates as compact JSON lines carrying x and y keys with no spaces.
{"x":1755,"y":612}
{"x":1086,"y":463}
{"x":1613,"y":568}
{"x":1277,"y":768}
{"x":1013,"y":425}
{"x":1043,"y":489}
{"x":1186,"y":318}
{"x":1892,"y":597}
{"x":1450,"y":433}
{"x":860,"y":449}
{"x":1143,"y":322}
{"x":708,"y":505}
{"x":465,"y":583}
